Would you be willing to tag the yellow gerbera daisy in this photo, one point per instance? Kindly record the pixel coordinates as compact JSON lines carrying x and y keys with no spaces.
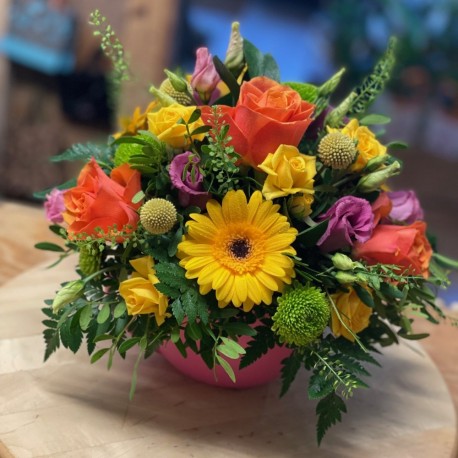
{"x":239,"y":249}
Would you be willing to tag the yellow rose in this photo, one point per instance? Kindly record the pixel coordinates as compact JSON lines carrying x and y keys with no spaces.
{"x":367,"y":145}
{"x":353,"y":312}
{"x":163,"y":124}
{"x":300,"y":205}
{"x":140,"y":294}
{"x":288,"y":172}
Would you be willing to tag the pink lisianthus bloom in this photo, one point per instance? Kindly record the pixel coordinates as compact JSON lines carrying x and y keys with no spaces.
{"x":54,"y":206}
{"x":405,"y":207}
{"x":205,"y":77}
{"x":189,"y":185}
{"x":350,"y":219}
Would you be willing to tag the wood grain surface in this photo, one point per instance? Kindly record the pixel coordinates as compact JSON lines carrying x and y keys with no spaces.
{"x":69,"y":408}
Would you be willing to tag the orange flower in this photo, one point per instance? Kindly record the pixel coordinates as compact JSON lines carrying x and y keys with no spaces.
{"x":405,"y":246}
{"x":138,"y":121}
{"x":98,"y":203}
{"x":381,"y":207}
{"x":267,"y":115}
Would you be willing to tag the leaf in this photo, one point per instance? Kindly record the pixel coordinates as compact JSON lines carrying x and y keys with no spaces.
{"x":227,"y":78}
{"x":445,"y":261}
{"x":260,"y":64}
{"x":168,"y":290}
{"x":119,"y":310}
{"x":329,"y":412}
{"x":47,"y":246}
{"x":374,"y":119}
{"x":239,"y":329}
{"x":84,"y":152}
{"x":193,"y":331}
{"x":319,"y":386}
{"x":176,"y":239}
{"x":104,"y":314}
{"x":128,"y":344}
{"x":227,"y":351}
{"x":138,"y":197}
{"x":200,"y":130}
{"x":85,"y":316}
{"x":178,"y":311}
{"x":233,"y":345}
{"x":226,"y":366}
{"x":52,"y":341}
{"x":42,"y":194}
{"x":290,"y":368}
{"x":260,"y":345}
{"x":70,"y":339}
{"x":310,"y":236}
{"x":419,"y":336}
{"x":171,"y":274}
{"x":397,"y":145}
{"x":308,"y":92}
{"x":364,"y":295}
{"x":98,"y":354}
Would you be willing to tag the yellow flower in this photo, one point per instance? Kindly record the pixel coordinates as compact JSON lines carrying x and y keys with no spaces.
{"x":138,"y":121}
{"x":300,"y":205}
{"x":140,"y":294}
{"x":288,"y":172}
{"x":163,"y":124}
{"x":367,"y":145}
{"x":353,"y":312}
{"x":239,"y":250}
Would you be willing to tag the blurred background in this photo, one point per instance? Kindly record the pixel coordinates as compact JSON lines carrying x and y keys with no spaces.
{"x":54,"y":90}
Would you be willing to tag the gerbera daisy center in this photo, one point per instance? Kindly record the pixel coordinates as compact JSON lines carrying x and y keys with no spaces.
{"x":240,"y":248}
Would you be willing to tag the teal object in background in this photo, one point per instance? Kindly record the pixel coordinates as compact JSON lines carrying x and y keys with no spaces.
{"x":40,"y":37}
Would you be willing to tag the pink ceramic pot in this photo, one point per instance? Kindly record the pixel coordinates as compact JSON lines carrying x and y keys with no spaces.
{"x":264,"y":370}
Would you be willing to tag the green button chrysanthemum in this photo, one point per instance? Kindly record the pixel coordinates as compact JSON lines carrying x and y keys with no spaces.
{"x":301,"y":316}
{"x":89,"y":260}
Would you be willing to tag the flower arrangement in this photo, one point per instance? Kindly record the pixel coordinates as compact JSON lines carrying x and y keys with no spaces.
{"x":238,"y":206}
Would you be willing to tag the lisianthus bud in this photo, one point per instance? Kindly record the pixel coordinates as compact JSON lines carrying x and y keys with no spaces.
{"x":234,"y":54}
{"x":375,"y":163}
{"x":205,"y":77}
{"x":158,"y":216}
{"x":301,"y":316}
{"x":344,"y":278}
{"x":374,"y":180}
{"x":178,"y":83}
{"x":342,"y":262}
{"x":70,"y":292}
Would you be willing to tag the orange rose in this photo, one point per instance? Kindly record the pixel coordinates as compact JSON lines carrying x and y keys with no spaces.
{"x":102,"y":202}
{"x":405,"y":246}
{"x":267,"y":115}
{"x":381,"y":207}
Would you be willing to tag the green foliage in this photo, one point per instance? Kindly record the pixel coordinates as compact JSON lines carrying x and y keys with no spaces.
{"x":220,"y":159}
{"x":260,"y":64}
{"x":308,"y":92}
{"x":103,"y":154}
{"x":329,"y":411}
{"x":260,"y":345}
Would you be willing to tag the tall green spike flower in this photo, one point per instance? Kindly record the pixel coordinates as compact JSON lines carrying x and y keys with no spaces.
{"x":301,"y":316}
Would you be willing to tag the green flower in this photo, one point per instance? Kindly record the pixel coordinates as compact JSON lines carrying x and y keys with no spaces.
{"x":301,"y":316}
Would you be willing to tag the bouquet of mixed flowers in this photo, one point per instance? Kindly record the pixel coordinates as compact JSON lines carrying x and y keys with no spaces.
{"x":236,"y":205}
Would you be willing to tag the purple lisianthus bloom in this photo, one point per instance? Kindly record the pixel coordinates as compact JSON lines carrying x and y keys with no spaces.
{"x":205,"y":77}
{"x":406,"y":207}
{"x":54,"y":206}
{"x":350,"y":219}
{"x":189,"y":184}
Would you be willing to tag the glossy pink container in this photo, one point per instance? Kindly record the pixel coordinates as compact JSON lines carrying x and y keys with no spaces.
{"x":264,"y":370}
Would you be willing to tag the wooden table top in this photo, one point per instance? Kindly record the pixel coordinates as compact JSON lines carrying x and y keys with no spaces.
{"x":69,"y":408}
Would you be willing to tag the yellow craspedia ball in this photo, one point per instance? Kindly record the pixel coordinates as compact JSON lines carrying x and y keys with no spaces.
{"x":337,"y":150}
{"x":181,"y":97}
{"x":158,"y":216}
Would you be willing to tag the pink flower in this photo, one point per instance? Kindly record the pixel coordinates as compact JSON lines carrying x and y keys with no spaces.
{"x":350,"y":219}
{"x":54,"y":206}
{"x":189,"y":183}
{"x":406,"y":207}
{"x":205,"y":77}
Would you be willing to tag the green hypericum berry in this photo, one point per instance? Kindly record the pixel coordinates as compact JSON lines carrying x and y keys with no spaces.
{"x":89,"y":260}
{"x":301,"y":316}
